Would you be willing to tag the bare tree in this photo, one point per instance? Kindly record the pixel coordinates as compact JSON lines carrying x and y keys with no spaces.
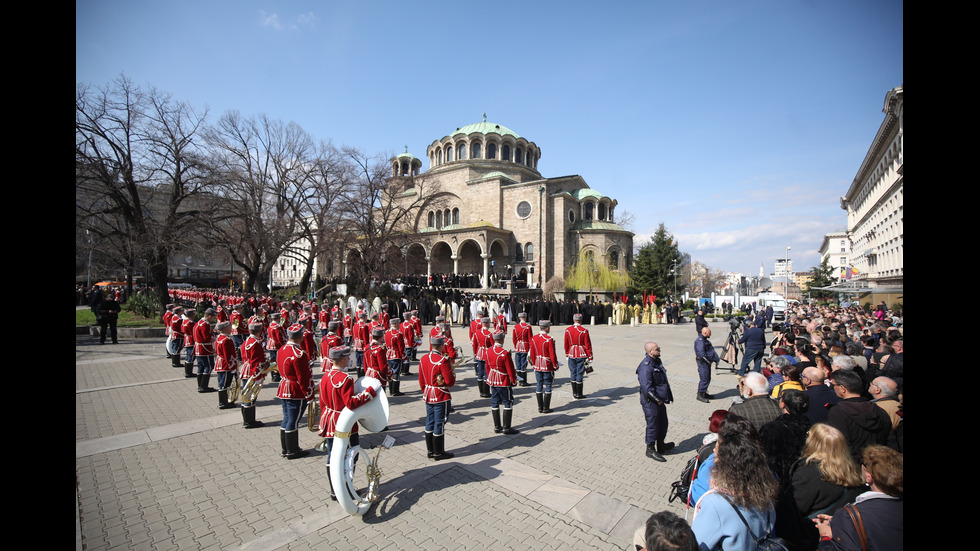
{"x":140,"y":175}
{"x":264,"y":168}
{"x":381,"y":212}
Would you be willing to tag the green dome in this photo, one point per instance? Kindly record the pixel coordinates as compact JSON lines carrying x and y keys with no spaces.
{"x":485,"y":128}
{"x":582,"y":193}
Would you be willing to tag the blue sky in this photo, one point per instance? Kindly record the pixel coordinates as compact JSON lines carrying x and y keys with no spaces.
{"x":737,"y":124}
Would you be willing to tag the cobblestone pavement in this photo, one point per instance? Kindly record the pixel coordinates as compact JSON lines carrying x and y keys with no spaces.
{"x":158,"y":466}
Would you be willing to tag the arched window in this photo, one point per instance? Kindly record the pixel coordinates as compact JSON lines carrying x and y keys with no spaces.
{"x":449,"y":154}
{"x":602,"y":211}
{"x":446,"y":217}
{"x":611,"y":213}
{"x":404,"y":169}
{"x":439,"y":219}
{"x":461,"y":151}
{"x":614,"y":260}
{"x":432,"y":219}
{"x":529,"y":252}
{"x":519,"y":253}
{"x":505,"y":153}
{"x":456,"y":216}
{"x":440,"y":156}
{"x":476,"y":151}
{"x":519,"y":155}
{"x":589,"y":209}
{"x":491,"y":151}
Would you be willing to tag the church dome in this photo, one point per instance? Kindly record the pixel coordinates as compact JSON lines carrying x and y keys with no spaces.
{"x":484,"y":142}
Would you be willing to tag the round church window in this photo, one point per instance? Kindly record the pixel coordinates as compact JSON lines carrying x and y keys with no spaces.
{"x":523,"y":209}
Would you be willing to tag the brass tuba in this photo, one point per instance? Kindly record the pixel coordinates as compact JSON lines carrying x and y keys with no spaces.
{"x":252,"y":387}
{"x":234,"y":387}
{"x":313,"y":414}
{"x":373,"y":416}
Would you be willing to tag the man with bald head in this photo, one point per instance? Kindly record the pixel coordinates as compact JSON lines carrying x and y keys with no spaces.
{"x":884,"y":393}
{"x":654,"y":396}
{"x":821,"y":396}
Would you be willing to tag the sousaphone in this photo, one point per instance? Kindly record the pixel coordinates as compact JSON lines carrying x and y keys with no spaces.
{"x":373,"y":416}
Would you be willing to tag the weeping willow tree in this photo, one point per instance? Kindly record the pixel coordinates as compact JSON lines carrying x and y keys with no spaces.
{"x":595,"y":276}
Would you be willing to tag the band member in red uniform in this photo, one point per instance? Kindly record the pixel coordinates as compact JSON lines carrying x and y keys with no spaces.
{"x":501,"y":376}
{"x":187,"y":328}
{"x":168,"y":317}
{"x":578,"y":348}
{"x":450,"y":347}
{"x":239,"y":329}
{"x":176,"y":336}
{"x":204,"y":350}
{"x":522,"y":343}
{"x":337,"y":393}
{"x":395,"y":354}
{"x":226,"y":362}
{"x":253,"y":364}
{"x":436,"y":377}
{"x":222,"y":310}
{"x":409,"y":338}
{"x":330,"y":340}
{"x":500,"y":323}
{"x":482,"y":341}
{"x":295,"y":388}
{"x":375,"y":362}
{"x":348,"y":334}
{"x":384,"y":320}
{"x":418,"y":334}
{"x":362,"y":339}
{"x":545,"y":361}
{"x":324,"y":322}
{"x":275,"y":339}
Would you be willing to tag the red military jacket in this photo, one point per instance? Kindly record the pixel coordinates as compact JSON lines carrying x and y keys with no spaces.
{"x":176,"y":329}
{"x":239,"y":328}
{"x":542,"y":354}
{"x":418,"y":328}
{"x":408,"y":333}
{"x":224,"y":348}
{"x":277,"y":337}
{"x":431,"y":366}
{"x":253,"y":357}
{"x":484,"y":341}
{"x":324,"y":318}
{"x":577,"y":342}
{"x":361,"y":336}
{"x":348,"y":326}
{"x":222,"y":314}
{"x":500,"y":367}
{"x":297,"y":376}
{"x":384,"y":320}
{"x":187,"y":329}
{"x":375,"y":364}
{"x":500,"y":323}
{"x":168,"y":317}
{"x":309,"y":344}
{"x":337,"y":393}
{"x":476,"y":327}
{"x":256,"y":319}
{"x":203,"y":339}
{"x":330,"y":341}
{"x":305,"y":320}
{"x":395,"y":344}
{"x":522,"y":337}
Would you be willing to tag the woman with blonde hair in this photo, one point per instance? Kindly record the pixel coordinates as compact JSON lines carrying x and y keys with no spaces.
{"x":826,"y":477}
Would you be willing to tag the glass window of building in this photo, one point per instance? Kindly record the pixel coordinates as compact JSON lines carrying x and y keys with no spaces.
{"x":589,"y":210}
{"x":461,"y":151}
{"x":491,"y":151}
{"x":505,"y":153}
{"x":529,"y":252}
{"x":476,"y":151}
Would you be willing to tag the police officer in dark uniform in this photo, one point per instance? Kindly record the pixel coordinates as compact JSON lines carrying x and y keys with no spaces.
{"x":654,"y":396}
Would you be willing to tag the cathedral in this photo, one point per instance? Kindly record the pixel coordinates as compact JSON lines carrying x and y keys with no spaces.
{"x":483,"y":208}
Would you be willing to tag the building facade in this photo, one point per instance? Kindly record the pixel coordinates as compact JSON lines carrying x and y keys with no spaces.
{"x":483,"y":208}
{"x":836,"y":250}
{"x":874,"y":203}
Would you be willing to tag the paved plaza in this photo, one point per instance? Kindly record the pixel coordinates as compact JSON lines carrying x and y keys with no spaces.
{"x":159,"y":466}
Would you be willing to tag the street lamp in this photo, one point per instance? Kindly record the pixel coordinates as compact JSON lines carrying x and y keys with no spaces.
{"x":786,"y":268}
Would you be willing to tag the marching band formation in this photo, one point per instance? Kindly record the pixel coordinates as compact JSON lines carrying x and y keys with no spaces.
{"x":285,"y":341}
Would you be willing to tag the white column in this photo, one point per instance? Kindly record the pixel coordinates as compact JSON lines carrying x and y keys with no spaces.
{"x":486,"y":270}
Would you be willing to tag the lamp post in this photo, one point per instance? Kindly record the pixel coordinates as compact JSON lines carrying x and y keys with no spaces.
{"x":786,"y":268}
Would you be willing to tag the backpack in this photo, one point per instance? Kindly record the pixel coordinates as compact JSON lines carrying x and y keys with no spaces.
{"x":681,"y":489}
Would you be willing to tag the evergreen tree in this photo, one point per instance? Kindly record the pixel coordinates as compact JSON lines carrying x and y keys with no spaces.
{"x":652,"y":269}
{"x":823,"y":276}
